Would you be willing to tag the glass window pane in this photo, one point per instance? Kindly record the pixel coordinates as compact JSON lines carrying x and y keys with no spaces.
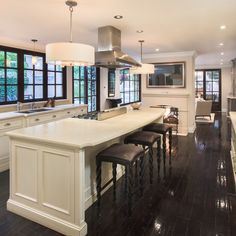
{"x":2,"y":58}
{"x":38,"y":91}
{"x":2,"y":76}
{"x":215,"y":86}
{"x":89,"y":88}
{"x":51,"y":67}
{"x":28,"y":92}
{"x":59,"y":91}
{"x":51,"y":78}
{"x":11,"y":93}
{"x":126,"y":97}
{"x":11,"y":76}
{"x":28,"y":77}
{"x":216,"y":75}
{"x":82,"y":88}
{"x":12,"y":59}
{"x":208,"y":86}
{"x":39,"y":64}
{"x":38,"y":77}
{"x":216,"y":97}
{"x":76,"y":72}
{"x":209,"y":96}
{"x":82,"y":72}
{"x":58,"y":68}
{"x":76,"y":88}
{"x":51,"y":91}
{"x":93,"y":87}
{"x":208,"y":76}
{"x":28,"y":62}
{"x":2,"y":94}
{"x":58,"y":78}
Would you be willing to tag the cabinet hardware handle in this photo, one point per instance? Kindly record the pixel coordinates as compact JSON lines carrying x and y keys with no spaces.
{"x":54,"y":116}
{"x":37,"y":119}
{"x":7,"y":124}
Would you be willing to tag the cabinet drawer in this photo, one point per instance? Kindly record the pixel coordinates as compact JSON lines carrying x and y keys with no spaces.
{"x":34,"y":120}
{"x":11,"y":124}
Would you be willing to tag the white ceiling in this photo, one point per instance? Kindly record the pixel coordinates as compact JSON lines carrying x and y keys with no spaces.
{"x":170,"y":25}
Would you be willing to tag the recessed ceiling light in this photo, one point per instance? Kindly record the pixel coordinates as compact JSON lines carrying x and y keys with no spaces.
{"x":157,"y":49}
{"x":221,"y":60}
{"x":222,"y":27}
{"x":222,"y":63}
{"x":222,"y":53}
{"x":139,"y":31}
{"x":118,"y":17}
{"x":221,"y":44}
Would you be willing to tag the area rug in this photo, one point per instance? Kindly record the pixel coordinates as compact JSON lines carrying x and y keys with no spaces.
{"x":205,"y":119}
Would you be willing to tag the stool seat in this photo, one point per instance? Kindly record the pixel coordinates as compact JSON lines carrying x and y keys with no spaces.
{"x":120,"y":153}
{"x":144,"y":138}
{"x":158,"y":128}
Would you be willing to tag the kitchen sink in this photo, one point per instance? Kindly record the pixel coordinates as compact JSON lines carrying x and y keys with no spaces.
{"x":34,"y":111}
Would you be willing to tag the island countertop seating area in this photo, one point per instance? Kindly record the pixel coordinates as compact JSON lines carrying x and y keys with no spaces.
{"x":52,"y":167}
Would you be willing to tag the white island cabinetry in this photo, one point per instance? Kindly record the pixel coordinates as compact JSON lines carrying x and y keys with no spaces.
{"x":53,"y":177}
{"x":13,"y":120}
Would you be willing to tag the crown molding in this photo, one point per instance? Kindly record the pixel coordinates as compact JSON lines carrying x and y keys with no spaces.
{"x":171,"y":54}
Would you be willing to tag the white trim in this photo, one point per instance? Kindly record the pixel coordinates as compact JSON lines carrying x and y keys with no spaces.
{"x":181,"y":95}
{"x":47,"y":220}
{"x":170,"y":54}
{"x":192,"y":129}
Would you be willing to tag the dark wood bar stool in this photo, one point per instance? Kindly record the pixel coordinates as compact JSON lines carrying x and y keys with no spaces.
{"x":162,"y":129}
{"x":147,"y":139}
{"x":122,"y":154}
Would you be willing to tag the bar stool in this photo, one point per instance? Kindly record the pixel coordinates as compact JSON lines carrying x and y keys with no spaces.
{"x":162,"y":129}
{"x":147,"y":139}
{"x":122,"y":154}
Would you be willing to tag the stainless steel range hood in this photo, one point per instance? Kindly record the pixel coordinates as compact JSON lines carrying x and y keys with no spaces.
{"x":109,"y":52}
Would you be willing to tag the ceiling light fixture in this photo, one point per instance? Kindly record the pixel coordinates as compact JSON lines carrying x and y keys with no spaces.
{"x":157,"y":49}
{"x":222,"y":27}
{"x":34,"y":58}
{"x":118,"y":17}
{"x":221,"y":44}
{"x":145,"y":68}
{"x":222,"y":53}
{"x":139,"y":31}
{"x":68,"y":53}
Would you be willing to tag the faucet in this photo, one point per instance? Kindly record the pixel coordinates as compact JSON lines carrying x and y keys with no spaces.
{"x":18,"y":106}
{"x":32,"y":105}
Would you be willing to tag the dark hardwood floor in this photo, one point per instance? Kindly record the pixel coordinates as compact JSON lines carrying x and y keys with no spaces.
{"x":194,"y":197}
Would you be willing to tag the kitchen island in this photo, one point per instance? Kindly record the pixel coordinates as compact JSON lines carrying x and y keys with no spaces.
{"x":52,"y":167}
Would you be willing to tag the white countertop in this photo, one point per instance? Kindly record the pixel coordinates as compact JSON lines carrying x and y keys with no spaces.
{"x":82,"y":133}
{"x":15,"y":114}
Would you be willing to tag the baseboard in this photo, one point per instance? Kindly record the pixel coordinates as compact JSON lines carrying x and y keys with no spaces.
{"x":47,"y":220}
{"x":4,"y":163}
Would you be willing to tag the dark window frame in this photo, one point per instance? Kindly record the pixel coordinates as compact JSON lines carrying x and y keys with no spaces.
{"x":20,"y":68}
{"x":86,"y":80}
{"x":130,"y":91}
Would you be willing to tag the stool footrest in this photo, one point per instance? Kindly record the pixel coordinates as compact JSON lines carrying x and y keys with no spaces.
{"x":106,"y":184}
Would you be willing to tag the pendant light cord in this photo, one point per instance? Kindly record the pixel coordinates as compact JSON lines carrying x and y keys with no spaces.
{"x":71,"y":11}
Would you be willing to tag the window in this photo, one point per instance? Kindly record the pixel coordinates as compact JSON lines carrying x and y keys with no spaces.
{"x":130,"y":88}
{"x":86,"y":86}
{"x":20,"y":80}
{"x":8,"y":77}
{"x":55,"y":81}
{"x":33,"y":78}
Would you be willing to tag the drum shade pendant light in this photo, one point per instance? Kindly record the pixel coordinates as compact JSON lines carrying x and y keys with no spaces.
{"x":145,"y":68}
{"x":69,"y":53}
{"x":34,"y":58}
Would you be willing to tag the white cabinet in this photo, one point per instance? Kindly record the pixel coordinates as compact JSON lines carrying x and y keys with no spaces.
{"x":5,"y":126}
{"x":8,"y":124}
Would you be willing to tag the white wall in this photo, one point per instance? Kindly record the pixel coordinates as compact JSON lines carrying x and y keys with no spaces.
{"x":183,"y":98}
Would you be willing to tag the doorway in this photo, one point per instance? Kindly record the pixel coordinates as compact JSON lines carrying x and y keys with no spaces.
{"x":208,"y":86}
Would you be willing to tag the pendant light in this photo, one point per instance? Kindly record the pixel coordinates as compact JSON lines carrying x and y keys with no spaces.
{"x":34,"y":58}
{"x":144,"y":68}
{"x":69,"y":53}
